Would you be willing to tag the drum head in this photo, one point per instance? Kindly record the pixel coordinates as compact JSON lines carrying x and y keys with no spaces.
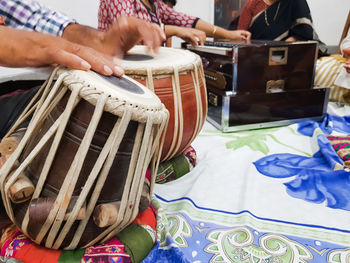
{"x":138,"y":60}
{"x":123,"y":89}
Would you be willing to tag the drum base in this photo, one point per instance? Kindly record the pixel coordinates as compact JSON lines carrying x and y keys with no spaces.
{"x":254,"y":111}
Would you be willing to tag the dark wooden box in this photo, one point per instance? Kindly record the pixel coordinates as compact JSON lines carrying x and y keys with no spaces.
{"x":258,"y":66}
{"x":253,"y":111}
{"x":260,"y":84}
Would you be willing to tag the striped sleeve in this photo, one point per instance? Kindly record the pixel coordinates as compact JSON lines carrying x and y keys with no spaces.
{"x":31,"y":15}
{"x":327,"y":71}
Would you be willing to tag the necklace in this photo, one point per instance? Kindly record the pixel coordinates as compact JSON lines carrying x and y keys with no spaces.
{"x":274,"y":18}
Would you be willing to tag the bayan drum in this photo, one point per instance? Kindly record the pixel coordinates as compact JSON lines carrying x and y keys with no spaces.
{"x":86,"y":151}
{"x":177,"y":77}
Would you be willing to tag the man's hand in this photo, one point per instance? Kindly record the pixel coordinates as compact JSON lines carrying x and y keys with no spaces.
{"x":123,"y":35}
{"x":30,"y":49}
{"x":128,"y":31}
{"x":190,"y":35}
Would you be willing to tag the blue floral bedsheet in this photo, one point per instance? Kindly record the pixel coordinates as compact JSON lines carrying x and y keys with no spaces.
{"x":269,"y":195}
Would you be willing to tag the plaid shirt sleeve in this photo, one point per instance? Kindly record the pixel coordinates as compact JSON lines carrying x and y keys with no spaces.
{"x":31,"y":15}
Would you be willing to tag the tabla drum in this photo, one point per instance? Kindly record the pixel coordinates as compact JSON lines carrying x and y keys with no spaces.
{"x":86,"y":150}
{"x":177,"y":77}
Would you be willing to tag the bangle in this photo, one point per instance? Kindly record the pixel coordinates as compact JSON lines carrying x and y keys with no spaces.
{"x":214,"y":30}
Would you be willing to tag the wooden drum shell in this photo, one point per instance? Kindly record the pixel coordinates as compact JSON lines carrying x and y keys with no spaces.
{"x":187,"y":103}
{"x":164,"y":90}
{"x":107,"y":132}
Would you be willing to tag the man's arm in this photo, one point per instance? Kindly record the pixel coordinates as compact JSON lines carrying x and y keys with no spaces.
{"x":32,"y":16}
{"x":123,"y":35}
{"x":31,"y":49}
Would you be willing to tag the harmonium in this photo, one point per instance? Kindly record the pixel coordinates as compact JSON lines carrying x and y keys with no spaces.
{"x":260,"y":84}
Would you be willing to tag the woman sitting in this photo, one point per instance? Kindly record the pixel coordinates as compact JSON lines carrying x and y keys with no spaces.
{"x":345,"y":49}
{"x":288,"y":20}
{"x":334,"y":72}
{"x":156,"y":11}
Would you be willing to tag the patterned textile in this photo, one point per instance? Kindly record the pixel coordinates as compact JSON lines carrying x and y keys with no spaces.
{"x":176,"y":167}
{"x":111,"y":251}
{"x":327,"y":71}
{"x":268,"y":195}
{"x":191,"y":154}
{"x":31,"y":15}
{"x":110,"y":10}
{"x":9,"y":260}
{"x":280,"y":20}
{"x":143,"y":229}
{"x":250,"y":10}
{"x":341,"y":144}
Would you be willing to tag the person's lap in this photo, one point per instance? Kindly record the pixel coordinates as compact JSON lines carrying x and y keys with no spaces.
{"x":11,"y":107}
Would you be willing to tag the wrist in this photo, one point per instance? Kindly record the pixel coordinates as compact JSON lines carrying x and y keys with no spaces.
{"x":170,"y":30}
{"x":215,"y":28}
{"x":84,"y":35}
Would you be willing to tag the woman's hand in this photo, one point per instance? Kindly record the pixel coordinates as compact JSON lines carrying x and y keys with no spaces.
{"x":190,"y":35}
{"x":31,"y":49}
{"x":238,"y":34}
{"x":291,"y":39}
{"x":346,"y":54}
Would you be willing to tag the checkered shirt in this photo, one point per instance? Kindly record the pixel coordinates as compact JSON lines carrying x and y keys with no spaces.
{"x":33,"y":16}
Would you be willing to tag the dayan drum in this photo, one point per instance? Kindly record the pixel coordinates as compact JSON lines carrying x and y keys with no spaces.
{"x":177,"y":77}
{"x":86,"y":150}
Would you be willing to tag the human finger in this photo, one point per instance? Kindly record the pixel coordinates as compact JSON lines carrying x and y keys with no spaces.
{"x":191,"y":38}
{"x":201,"y":37}
{"x":245,"y":35}
{"x":101,"y":63}
{"x":67,"y":59}
{"x":347,"y":67}
{"x":346,"y":53}
{"x":152,"y":35}
{"x":248,"y":35}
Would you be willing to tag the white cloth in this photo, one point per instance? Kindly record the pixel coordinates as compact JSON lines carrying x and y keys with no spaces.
{"x":343,"y":79}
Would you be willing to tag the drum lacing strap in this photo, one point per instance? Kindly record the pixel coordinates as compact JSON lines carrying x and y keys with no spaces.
{"x":72,"y":101}
{"x":149,"y":80}
{"x":110,"y":148}
{"x":106,"y":159}
{"x":29,"y":109}
{"x":197,"y":88}
{"x":138,"y":181}
{"x":178,"y":112}
{"x":8,"y":166}
{"x":204,"y":103}
{"x":41,"y":143}
{"x":72,"y":175}
{"x":158,"y":144}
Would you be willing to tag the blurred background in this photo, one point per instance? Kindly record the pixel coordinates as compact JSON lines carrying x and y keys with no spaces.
{"x":328,"y":15}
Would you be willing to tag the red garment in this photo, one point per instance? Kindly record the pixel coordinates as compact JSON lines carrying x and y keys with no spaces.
{"x":2,"y":21}
{"x":250,"y":10}
{"x":110,"y":10}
